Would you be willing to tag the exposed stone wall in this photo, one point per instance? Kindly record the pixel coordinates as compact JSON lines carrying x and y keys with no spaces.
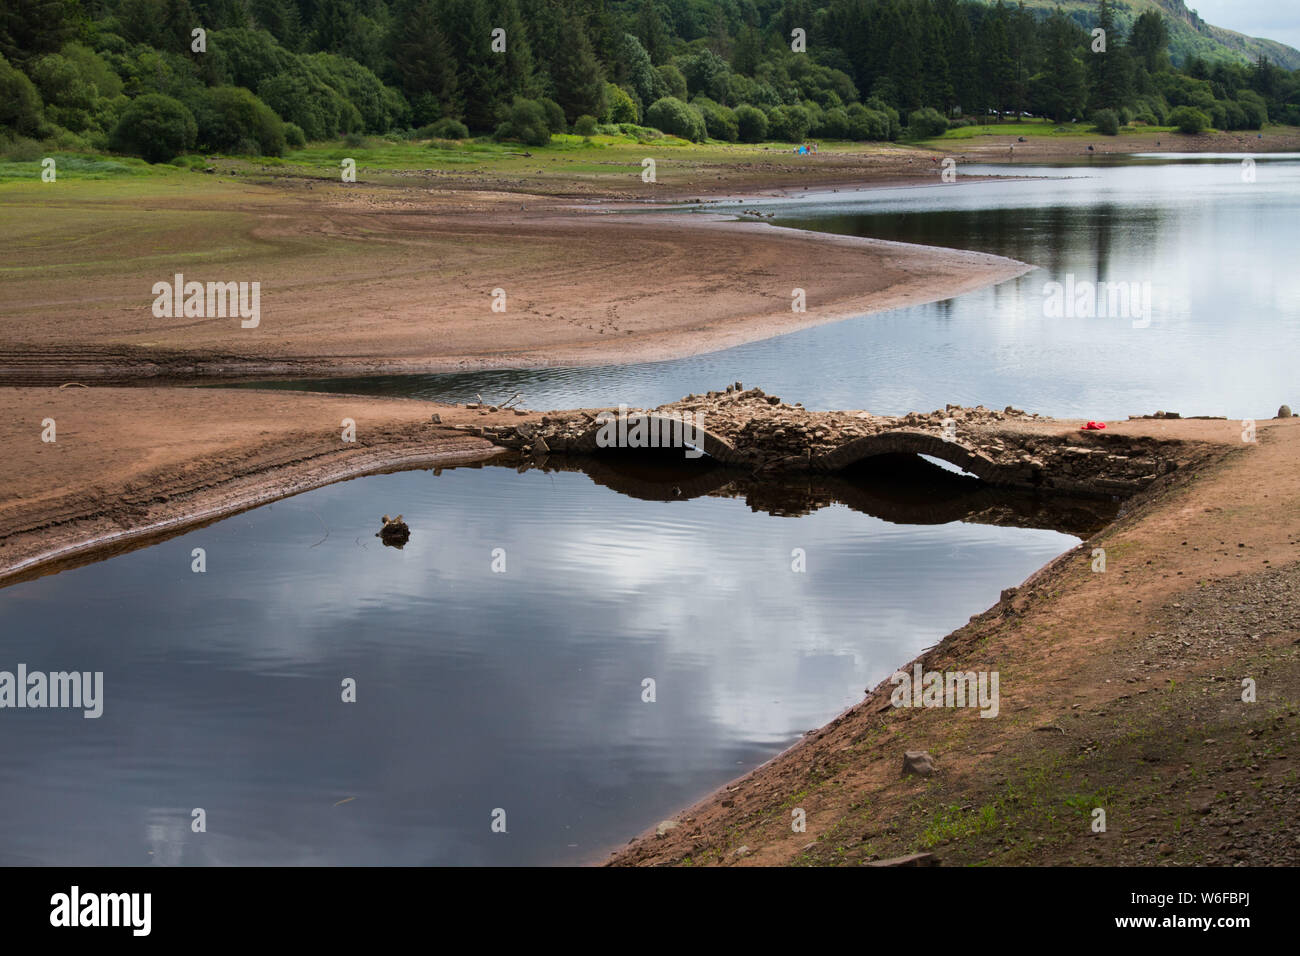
{"x":761,"y":434}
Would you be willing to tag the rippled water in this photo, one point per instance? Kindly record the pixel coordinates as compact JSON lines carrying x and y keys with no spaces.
{"x":1218,"y":253}
{"x":476,"y":690}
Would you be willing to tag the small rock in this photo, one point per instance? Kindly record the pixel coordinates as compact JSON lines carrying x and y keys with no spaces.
{"x":740,"y":851}
{"x":540,"y":447}
{"x":918,"y":762}
{"x":394,"y":531}
{"x":1284,"y":411}
{"x":436,"y":419}
{"x":664,"y":827}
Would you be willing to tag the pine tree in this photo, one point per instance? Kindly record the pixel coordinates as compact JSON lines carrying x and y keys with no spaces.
{"x":1108,"y":73}
{"x":576,"y":75}
{"x":652,"y":33}
{"x":1060,"y":90}
{"x":335,"y":20}
{"x":423,"y":62}
{"x":994,"y":63}
{"x":31,"y":28}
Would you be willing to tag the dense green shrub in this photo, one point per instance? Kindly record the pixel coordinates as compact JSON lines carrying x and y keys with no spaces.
{"x":232,"y":120}
{"x":751,"y":124}
{"x":1253,"y":107}
{"x":719,"y":121}
{"x":834,"y":124}
{"x":554,"y":116}
{"x":1234,"y":117}
{"x":294,"y":138}
{"x":446,"y":128}
{"x":585,"y":125}
{"x":788,"y":123}
{"x":21,"y":149}
{"x":671,"y":81}
{"x":1188,"y":119}
{"x":1106,"y":122}
{"x":524,"y":120}
{"x":926,"y":123}
{"x":621,"y":107}
{"x":676,"y":118}
{"x":158,"y":71}
{"x":893,"y":127}
{"x":873,"y":121}
{"x":300,"y":96}
{"x":155,"y":127}
{"x":20,"y":103}
{"x":381,"y":107}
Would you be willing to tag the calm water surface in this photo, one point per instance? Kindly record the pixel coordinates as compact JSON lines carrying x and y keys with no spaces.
{"x":476,"y":690}
{"x":1219,"y":254}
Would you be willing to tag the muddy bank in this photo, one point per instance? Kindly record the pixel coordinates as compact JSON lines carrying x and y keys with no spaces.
{"x":371,"y":280}
{"x":1120,"y":690}
{"x":127,"y":464}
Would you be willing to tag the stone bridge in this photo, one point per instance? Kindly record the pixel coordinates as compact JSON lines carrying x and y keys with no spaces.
{"x":750,"y":430}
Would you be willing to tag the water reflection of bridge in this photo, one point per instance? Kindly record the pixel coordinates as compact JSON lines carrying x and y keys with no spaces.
{"x":902,"y":489}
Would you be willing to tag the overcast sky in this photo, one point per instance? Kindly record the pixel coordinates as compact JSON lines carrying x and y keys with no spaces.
{"x":1270,"y":19}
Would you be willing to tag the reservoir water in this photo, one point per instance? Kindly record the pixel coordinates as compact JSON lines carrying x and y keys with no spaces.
{"x":518,"y":688}
{"x":1216,"y":251}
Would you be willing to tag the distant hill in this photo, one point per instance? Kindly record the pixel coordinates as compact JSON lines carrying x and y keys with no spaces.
{"x":1189,"y":35}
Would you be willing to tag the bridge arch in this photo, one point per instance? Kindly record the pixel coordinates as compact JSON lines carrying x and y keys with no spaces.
{"x":918,"y":443}
{"x":715,"y":446}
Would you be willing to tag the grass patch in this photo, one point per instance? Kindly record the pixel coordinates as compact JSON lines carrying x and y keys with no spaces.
{"x":1040,"y":129}
{"x":79,"y":166}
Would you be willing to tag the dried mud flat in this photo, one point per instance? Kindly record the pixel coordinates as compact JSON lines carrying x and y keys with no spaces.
{"x":392,"y":279}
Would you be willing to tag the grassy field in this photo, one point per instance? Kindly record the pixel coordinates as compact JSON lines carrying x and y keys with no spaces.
{"x":571,"y":163}
{"x":599,"y":159}
{"x":1038,"y":128}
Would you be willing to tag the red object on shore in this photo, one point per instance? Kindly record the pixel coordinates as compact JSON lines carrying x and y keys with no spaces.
{"x":1092,"y":426}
